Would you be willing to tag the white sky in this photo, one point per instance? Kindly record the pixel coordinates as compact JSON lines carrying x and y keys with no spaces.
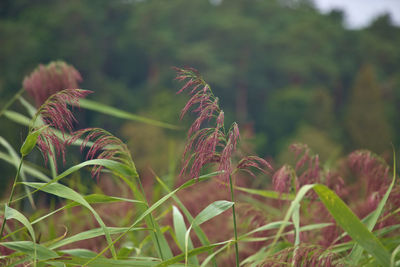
{"x":359,"y":13}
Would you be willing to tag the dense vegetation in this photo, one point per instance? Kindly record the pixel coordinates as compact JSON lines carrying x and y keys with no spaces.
{"x":316,"y":102}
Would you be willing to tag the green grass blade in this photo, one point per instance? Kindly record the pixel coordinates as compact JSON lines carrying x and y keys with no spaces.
{"x":91,"y":199}
{"x":29,"y":108}
{"x":91,"y":234}
{"x":212,"y":210}
{"x":11,"y":213}
{"x":350,"y":223}
{"x":345,"y":218}
{"x":357,"y":250}
{"x":104,"y":262}
{"x":17,"y":117}
{"x":28,"y":247}
{"x":199,"y":232}
{"x":101,"y":108}
{"x":266,"y":193}
{"x":15,"y":160}
{"x":180,"y":231}
{"x":393,"y":256}
{"x":66,"y":192}
{"x":116,"y":167}
{"x":157,"y":204}
{"x":192,"y":252}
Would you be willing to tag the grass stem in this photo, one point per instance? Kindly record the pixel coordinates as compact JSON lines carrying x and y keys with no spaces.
{"x":11,"y":101}
{"x":11,"y":196}
{"x":234,"y":221}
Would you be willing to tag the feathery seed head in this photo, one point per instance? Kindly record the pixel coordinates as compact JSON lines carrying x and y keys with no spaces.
{"x":55,"y":113}
{"x":105,"y":146}
{"x":282,"y":179}
{"x":48,"y":79}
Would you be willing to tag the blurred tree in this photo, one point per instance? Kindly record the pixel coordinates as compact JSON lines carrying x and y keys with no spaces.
{"x":366,"y":122}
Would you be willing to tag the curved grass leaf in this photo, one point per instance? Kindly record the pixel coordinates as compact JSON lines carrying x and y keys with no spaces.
{"x":156,"y":205}
{"x":101,"y":108}
{"x":15,"y":160}
{"x":190,"y":253}
{"x":66,"y":192}
{"x":180,"y":230}
{"x":349,"y":222}
{"x":91,"y":199}
{"x":11,"y":213}
{"x":266,"y":193}
{"x":199,"y":232}
{"x":28,"y":247}
{"x":29,"y":108}
{"x":79,"y":252}
{"x":17,"y":117}
{"x":393,"y":256}
{"x":116,"y":167}
{"x":211,"y":211}
{"x":357,"y":250}
{"x":91,"y":234}
{"x":345,"y":218}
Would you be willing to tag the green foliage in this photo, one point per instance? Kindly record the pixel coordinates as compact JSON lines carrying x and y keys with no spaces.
{"x":366,"y":120}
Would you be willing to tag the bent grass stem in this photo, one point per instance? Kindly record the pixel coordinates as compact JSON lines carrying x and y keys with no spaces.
{"x":234,"y":221}
{"x":11,"y":195}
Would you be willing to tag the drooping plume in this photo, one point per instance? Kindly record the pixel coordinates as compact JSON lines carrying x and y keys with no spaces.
{"x":105,"y":146}
{"x":49,"y":79}
{"x":212,"y":144}
{"x":56,"y":114}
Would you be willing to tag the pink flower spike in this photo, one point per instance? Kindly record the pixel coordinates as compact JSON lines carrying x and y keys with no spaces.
{"x":282,"y":179}
{"x":47,"y":80}
{"x":105,"y":146}
{"x":55,"y":111}
{"x":253,"y":162}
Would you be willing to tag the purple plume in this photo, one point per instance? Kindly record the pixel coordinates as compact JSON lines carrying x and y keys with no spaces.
{"x":47,"y":80}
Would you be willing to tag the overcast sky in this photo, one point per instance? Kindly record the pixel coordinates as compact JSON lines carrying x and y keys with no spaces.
{"x":359,"y":13}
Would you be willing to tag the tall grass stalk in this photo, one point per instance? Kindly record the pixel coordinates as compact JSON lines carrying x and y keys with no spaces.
{"x":11,"y":101}
{"x":11,"y":195}
{"x":234,"y":221}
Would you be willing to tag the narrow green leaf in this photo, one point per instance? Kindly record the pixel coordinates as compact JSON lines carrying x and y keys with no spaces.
{"x":266,"y":193}
{"x":265,"y":227}
{"x":17,"y":117}
{"x":192,"y":252}
{"x":99,"y":107}
{"x":14,"y":159}
{"x":29,"y":108}
{"x":199,"y":232}
{"x":180,"y":228}
{"x":180,"y":231}
{"x":91,"y":234}
{"x":26,"y":168}
{"x":157,"y":204}
{"x":393,"y":256}
{"x":345,"y":218}
{"x":349,"y":222}
{"x":117,"y":167}
{"x":66,"y":192}
{"x":357,"y":250}
{"x":11,"y":213}
{"x":79,"y":252}
{"x":28,"y":247}
{"x":104,"y":262}
{"x":211,"y":211}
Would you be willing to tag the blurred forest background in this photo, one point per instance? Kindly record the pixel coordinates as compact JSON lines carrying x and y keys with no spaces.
{"x":284,"y":71}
